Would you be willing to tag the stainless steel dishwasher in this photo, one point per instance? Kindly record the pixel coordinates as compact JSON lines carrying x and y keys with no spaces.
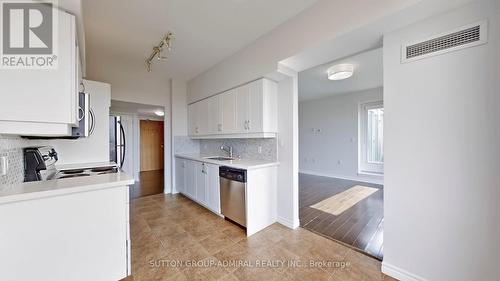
{"x":233,"y":184}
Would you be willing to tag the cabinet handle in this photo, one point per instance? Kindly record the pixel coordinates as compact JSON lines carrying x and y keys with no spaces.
{"x":220,"y":127}
{"x":248,"y":124}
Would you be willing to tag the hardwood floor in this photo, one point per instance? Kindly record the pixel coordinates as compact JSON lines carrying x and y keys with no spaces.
{"x":360,"y":226}
{"x":151,"y":182}
{"x":173,"y":238}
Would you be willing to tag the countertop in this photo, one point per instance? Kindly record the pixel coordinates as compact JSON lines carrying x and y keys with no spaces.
{"x":42,"y":189}
{"x":245,"y":164}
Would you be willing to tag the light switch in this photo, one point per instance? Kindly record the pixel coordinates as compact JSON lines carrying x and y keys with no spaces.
{"x":3,"y":166}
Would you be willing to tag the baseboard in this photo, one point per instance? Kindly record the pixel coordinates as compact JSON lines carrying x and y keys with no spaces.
{"x":358,"y":179}
{"x":399,"y":273}
{"x":288,"y":223}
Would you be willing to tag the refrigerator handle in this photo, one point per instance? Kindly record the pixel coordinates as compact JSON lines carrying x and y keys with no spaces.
{"x":122,"y":131}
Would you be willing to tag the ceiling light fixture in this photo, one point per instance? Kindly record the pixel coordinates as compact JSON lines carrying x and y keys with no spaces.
{"x":340,"y":71}
{"x":159,"y":113}
{"x":166,"y":42}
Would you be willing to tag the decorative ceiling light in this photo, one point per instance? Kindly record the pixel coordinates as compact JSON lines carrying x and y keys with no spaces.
{"x":166,"y":42}
{"x":159,"y":113}
{"x":340,"y":71}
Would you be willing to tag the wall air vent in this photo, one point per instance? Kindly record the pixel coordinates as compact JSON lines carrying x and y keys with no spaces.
{"x":461,"y":38}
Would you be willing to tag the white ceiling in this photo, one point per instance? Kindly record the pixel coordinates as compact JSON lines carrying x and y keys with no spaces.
{"x":142,"y":110}
{"x":206,"y":31}
{"x":368,"y":74}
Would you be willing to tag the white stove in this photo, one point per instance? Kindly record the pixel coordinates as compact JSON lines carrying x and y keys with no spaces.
{"x":39,"y":165}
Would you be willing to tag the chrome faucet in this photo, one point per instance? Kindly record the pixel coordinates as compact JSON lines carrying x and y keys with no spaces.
{"x":229,"y":150}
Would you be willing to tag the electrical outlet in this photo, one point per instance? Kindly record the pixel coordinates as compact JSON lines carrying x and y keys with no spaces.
{"x":339,"y":162}
{"x":3,"y":166}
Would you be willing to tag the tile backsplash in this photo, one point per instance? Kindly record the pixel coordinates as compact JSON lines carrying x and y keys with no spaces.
{"x":257,"y":149}
{"x":184,"y":144}
{"x":12,"y":148}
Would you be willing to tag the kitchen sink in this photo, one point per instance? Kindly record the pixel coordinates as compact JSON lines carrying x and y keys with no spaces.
{"x":220,"y":158}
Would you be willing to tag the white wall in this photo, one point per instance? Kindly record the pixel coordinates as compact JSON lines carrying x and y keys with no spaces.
{"x":132,"y":83}
{"x":288,"y":177}
{"x":327,"y":19}
{"x":442,"y":154}
{"x":333,"y":151}
{"x":179,"y":117}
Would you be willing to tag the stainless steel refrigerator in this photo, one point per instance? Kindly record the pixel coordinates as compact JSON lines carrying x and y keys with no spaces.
{"x":117,"y":141}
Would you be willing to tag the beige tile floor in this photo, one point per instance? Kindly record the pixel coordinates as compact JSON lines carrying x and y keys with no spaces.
{"x":174,"y":238}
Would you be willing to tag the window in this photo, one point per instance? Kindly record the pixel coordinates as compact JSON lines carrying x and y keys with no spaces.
{"x":371,"y":138}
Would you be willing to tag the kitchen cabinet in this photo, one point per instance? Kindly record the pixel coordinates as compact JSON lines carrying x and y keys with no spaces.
{"x":180,"y":174}
{"x":72,"y":236}
{"x":260,"y":192}
{"x":213,"y":187}
{"x":247,"y":111}
{"x":228,"y":110}
{"x":198,"y":118}
{"x":44,"y":102}
{"x":214,"y":115}
{"x":191,"y":179}
{"x":199,"y":181}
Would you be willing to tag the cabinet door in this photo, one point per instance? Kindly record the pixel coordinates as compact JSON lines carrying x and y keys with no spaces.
{"x":192,"y":119}
{"x":255,"y":107}
{"x":180,"y":166}
{"x":201,"y":185}
{"x":214,"y":115}
{"x":213,"y":187}
{"x":242,"y":94}
{"x":190,"y":184}
{"x":44,"y":98}
{"x":202,"y":117}
{"x":228,"y":110}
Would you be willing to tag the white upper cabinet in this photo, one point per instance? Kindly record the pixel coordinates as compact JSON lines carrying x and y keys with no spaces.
{"x":246,"y":111}
{"x":214,"y":115}
{"x":44,"y":102}
{"x":242,"y":108}
{"x":228,"y":110}
{"x":198,"y":118}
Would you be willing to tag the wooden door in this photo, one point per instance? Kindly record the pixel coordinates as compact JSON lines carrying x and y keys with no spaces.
{"x":152,"y":143}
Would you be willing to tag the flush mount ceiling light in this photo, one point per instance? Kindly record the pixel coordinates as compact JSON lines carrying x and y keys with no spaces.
{"x":160,"y":113}
{"x":166,"y":42}
{"x":340,"y":72}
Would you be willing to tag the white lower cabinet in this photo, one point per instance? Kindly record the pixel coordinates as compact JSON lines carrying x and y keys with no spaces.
{"x":213,"y":187}
{"x":201,"y":183}
{"x":198,"y":181}
{"x":180,"y":174}
{"x":190,"y":176}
